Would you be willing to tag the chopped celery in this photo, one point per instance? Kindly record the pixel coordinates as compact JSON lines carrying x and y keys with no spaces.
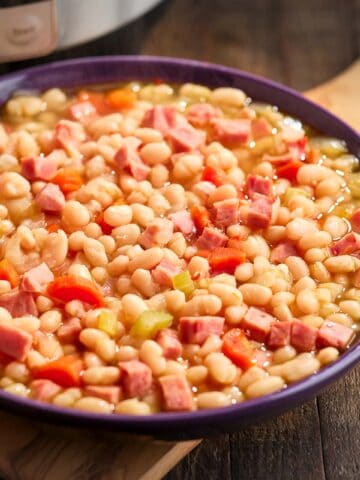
{"x":292,"y":192}
{"x":149,"y":323}
{"x":182,"y":281}
{"x":107,"y":322}
{"x":331,"y":147}
{"x":344,"y":210}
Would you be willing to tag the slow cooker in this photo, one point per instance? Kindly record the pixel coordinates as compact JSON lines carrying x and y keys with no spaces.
{"x":30,"y":29}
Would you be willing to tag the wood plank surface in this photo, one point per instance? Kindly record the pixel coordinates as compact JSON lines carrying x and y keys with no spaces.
{"x":301,"y":43}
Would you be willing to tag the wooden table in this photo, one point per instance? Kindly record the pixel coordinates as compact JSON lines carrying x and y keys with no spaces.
{"x":301,"y":43}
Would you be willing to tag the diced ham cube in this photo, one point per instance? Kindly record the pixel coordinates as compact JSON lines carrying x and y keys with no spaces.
{"x":257,"y":324}
{"x":69,"y":331}
{"x":355,"y":221}
{"x":158,"y":233}
{"x":169,"y":341}
{"x":211,"y":238}
{"x":39,"y":168}
{"x":260,"y":127}
{"x":226,"y":212}
{"x":136,"y":378}
{"x":201,"y":114}
{"x":279,"y":335}
{"x":44,"y":390}
{"x":50,"y":198}
{"x":232,"y":130}
{"x":182,"y":221}
{"x":282,"y":251}
{"x":347,"y":245}
{"x":333,"y":334}
{"x":164,"y":272}
{"x":81,"y":110}
{"x":260,"y":211}
{"x":35,"y":279}
{"x":109,"y":393}
{"x":161,"y":117}
{"x":15,"y":342}
{"x":197,"y":329}
{"x":19,"y":303}
{"x":68,"y":135}
{"x":186,"y":138}
{"x":303,"y":337}
{"x":128,"y":158}
{"x":255,"y":184}
{"x":176,"y":393}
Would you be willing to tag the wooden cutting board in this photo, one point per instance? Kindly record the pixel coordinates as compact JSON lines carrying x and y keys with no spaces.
{"x":29,"y":451}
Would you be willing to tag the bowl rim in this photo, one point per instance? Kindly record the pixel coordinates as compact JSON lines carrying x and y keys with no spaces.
{"x":168,"y":422}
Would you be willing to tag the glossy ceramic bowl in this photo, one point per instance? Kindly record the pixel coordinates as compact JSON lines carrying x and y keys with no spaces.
{"x":109,"y":69}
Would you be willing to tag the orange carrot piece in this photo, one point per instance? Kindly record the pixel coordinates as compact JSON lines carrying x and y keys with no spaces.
{"x":97,"y":99}
{"x":8,"y":272}
{"x":201,"y":217}
{"x":65,"y":371}
{"x":237,"y":347}
{"x":213,"y":175}
{"x":66,"y":288}
{"x":68,"y":180}
{"x":121,"y":98}
{"x":225,"y":259}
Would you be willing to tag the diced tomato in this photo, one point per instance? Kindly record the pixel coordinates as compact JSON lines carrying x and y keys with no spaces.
{"x":237,"y":347}
{"x":201,"y":217}
{"x":65,"y":371}
{"x":97,"y":99}
{"x":213,"y":175}
{"x":223,"y":259}
{"x":66,"y":288}
{"x":68,"y":180}
{"x":298,"y":148}
{"x":105,"y":227}
{"x":289,"y":170}
{"x":121,"y":98}
{"x":8,"y":272}
{"x":53,"y":227}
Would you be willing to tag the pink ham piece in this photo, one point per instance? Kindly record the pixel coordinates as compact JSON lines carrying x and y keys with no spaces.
{"x":255,"y":184}
{"x":201,"y":114}
{"x":197,"y":329}
{"x":169,"y":341}
{"x":226,"y":212}
{"x":211,"y":238}
{"x":282,"y":251}
{"x":347,"y":245}
{"x":303,"y":337}
{"x":44,"y":390}
{"x":355,"y":221}
{"x":136,"y":378}
{"x":176,"y":392}
{"x":232,"y":131}
{"x":260,"y":211}
{"x":161,"y":118}
{"x":69,"y":331}
{"x":14,"y":342}
{"x":39,"y":168}
{"x":333,"y":334}
{"x":186,"y":138}
{"x":68,"y":135}
{"x":257,"y":324}
{"x":279,"y":335}
{"x":50,"y":199}
{"x":19,"y":303}
{"x":164,"y":272}
{"x":158,"y":233}
{"x":35,"y":279}
{"x":128,"y":158}
{"x":81,"y":110}
{"x":182,"y":221}
{"x":109,"y":393}
{"x":260,"y":127}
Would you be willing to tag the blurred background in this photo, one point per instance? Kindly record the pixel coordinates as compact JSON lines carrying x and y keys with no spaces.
{"x":298,"y":42}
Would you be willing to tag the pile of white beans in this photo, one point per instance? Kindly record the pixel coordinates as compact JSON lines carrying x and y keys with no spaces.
{"x":312,"y":287}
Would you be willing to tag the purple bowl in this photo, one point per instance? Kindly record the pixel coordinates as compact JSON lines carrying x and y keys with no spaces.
{"x":109,"y":69}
